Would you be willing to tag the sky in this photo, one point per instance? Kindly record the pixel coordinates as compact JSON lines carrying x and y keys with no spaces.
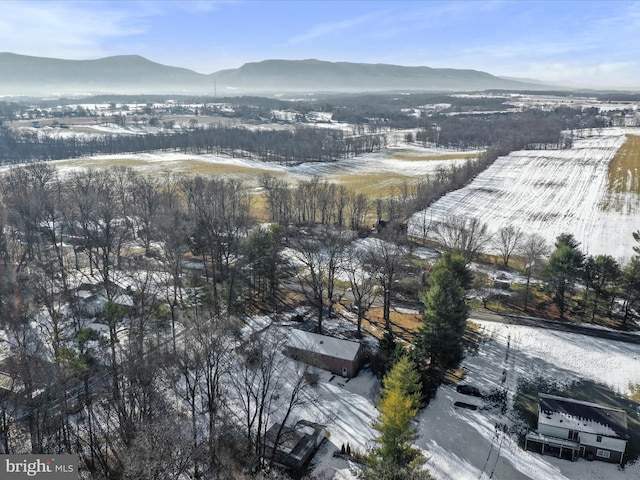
{"x":579,"y":43}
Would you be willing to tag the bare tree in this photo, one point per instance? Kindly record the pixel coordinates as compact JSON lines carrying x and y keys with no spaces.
{"x":220,"y":209}
{"x":532,"y":250}
{"x":147,"y":196}
{"x":357,"y":208}
{"x":172,"y":230}
{"x":362,"y":284}
{"x":161,"y":449}
{"x":507,"y":241}
{"x":321,"y":258}
{"x":384,"y":260}
{"x":211,"y":339}
{"x":466,"y":235}
{"x":297,"y":398}
{"x":257,"y":377}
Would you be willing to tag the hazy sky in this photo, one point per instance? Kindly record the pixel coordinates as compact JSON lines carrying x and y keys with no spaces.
{"x":586,"y":43}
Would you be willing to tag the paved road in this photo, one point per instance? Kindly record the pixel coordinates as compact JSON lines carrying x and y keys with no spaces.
{"x":584,"y":329}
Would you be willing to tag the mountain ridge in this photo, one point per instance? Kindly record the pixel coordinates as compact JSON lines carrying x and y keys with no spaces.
{"x":28,"y":75}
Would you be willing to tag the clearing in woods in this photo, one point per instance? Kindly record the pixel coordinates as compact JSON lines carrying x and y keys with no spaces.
{"x":375,"y":179}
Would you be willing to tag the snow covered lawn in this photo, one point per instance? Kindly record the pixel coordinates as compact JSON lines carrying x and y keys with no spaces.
{"x":465,"y":444}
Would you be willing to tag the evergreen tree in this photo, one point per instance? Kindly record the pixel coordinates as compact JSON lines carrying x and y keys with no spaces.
{"x":445,"y":316}
{"x":395,"y":458}
{"x":600,"y":274}
{"x":563,"y":270}
{"x":630,"y":291}
{"x":451,"y":263}
{"x":264,"y":263}
{"x":389,"y":351}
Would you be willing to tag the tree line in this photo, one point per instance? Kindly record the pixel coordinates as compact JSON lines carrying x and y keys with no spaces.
{"x":590,"y":286}
{"x":286,"y":146}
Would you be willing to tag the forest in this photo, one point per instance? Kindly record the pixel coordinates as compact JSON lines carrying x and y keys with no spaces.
{"x":124,"y":352}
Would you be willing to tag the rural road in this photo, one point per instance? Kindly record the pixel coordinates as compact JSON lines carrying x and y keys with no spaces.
{"x":629,"y":337}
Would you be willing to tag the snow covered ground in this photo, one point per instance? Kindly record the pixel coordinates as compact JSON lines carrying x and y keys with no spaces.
{"x":411,"y":162}
{"x":463,"y":444}
{"x":551,"y":192}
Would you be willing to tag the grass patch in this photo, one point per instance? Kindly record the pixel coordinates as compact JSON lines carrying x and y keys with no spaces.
{"x":405,"y":325}
{"x":197,"y":167}
{"x":186,"y":166}
{"x":454,"y":376}
{"x":102,"y":163}
{"x":260,"y":207}
{"x":526,"y":405}
{"x":472,"y":337}
{"x":413,"y":156}
{"x":375,"y":185}
{"x":624,"y":172}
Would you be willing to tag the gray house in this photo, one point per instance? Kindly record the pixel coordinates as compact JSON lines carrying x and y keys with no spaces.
{"x":572,"y":428}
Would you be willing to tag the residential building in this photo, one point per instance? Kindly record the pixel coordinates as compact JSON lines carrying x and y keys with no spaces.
{"x":572,"y":428}
{"x":342,"y":357}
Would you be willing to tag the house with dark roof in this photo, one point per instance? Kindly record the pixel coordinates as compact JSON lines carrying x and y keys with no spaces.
{"x":342,"y":357}
{"x":572,"y":428}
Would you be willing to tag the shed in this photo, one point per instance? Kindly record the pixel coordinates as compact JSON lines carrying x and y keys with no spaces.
{"x":93,"y":304}
{"x":342,"y":357}
{"x":295,"y":445}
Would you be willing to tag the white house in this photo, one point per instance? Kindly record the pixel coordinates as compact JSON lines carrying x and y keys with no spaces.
{"x":572,"y":428}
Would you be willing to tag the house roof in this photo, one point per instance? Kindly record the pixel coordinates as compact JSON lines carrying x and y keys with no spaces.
{"x":582,"y":416}
{"x":297,"y":441}
{"x":323,"y":345}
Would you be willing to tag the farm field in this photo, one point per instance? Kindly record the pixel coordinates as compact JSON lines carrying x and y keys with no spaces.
{"x":577,"y":191}
{"x":377,"y":174}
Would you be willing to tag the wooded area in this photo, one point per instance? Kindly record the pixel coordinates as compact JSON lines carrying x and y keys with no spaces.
{"x":124,"y":297}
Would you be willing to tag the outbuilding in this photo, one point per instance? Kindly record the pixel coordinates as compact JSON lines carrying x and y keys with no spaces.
{"x":293,"y":446}
{"x":342,"y":357}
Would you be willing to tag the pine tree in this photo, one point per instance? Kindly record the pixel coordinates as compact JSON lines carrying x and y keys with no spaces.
{"x":563,"y":270}
{"x":445,"y":316}
{"x":395,"y":458}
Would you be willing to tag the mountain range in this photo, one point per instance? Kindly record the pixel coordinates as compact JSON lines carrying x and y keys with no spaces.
{"x":133,"y":74}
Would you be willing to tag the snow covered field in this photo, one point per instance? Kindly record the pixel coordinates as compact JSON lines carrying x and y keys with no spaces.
{"x":551,"y":192}
{"x":411,"y":163}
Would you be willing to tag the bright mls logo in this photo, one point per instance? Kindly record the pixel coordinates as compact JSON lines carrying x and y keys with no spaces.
{"x":50,"y":467}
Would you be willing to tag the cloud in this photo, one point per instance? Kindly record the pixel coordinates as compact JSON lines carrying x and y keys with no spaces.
{"x":204,"y":6}
{"x":326,"y":29}
{"x":71,"y":30}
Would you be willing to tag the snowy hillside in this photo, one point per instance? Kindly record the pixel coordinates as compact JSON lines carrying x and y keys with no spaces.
{"x":551,"y":192}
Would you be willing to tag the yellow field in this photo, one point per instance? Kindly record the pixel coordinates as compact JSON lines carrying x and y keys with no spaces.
{"x":375,"y":185}
{"x":624,"y":170}
{"x":409,"y":156}
{"x":624,"y":175}
{"x":187,"y":167}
